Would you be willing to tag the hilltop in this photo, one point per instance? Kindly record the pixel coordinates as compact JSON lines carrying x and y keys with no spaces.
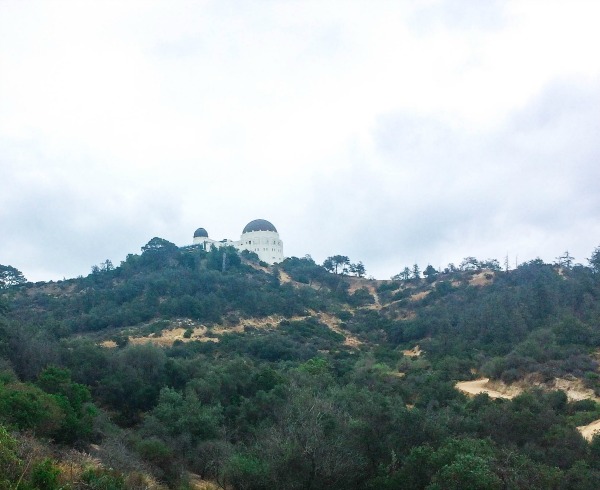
{"x":179,"y":368}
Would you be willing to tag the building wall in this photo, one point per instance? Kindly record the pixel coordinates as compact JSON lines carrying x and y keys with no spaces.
{"x":266,"y":244}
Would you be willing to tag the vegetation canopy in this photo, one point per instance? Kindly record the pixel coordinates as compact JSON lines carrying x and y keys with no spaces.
{"x":181,"y":367}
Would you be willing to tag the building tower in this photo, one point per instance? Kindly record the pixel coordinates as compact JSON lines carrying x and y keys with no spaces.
{"x":261,"y":237}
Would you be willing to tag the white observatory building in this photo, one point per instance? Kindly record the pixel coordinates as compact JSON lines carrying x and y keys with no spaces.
{"x":258,"y":236}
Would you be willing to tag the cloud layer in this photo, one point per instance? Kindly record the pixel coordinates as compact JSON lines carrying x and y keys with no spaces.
{"x":392,"y":132}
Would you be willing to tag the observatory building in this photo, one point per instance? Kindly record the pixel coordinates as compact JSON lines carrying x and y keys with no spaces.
{"x":258,"y":236}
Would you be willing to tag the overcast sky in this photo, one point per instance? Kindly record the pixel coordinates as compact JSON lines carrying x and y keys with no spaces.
{"x":394,"y":132}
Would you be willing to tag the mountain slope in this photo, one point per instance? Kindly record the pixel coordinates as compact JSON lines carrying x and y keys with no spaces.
{"x":293,"y":377}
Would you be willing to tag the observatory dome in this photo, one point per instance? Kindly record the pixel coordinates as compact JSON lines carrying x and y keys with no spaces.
{"x":259,"y":225}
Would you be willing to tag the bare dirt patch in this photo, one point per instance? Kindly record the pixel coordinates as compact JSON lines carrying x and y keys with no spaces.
{"x":333,"y":323}
{"x":414,"y":352}
{"x":109,"y":344}
{"x":573,"y":388}
{"x":494,"y":389}
{"x":419,"y":296}
{"x":186,"y":330}
{"x":483,"y":278}
{"x":588,"y":431}
{"x":197,"y":483}
{"x":284,"y":277}
{"x":167,"y":337}
{"x":202,"y":333}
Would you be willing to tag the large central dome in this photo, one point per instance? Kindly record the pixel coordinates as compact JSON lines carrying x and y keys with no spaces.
{"x":259,"y":225}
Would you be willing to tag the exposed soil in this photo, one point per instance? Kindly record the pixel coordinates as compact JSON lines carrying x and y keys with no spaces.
{"x":588,"y":431}
{"x":419,"y":296}
{"x":494,"y":389}
{"x":202,"y":333}
{"x":414,"y":352}
{"x":370,"y":285}
{"x":573,"y":388}
{"x":333,"y":323}
{"x":167,"y":337}
{"x":197,"y":483}
{"x":483,"y":278}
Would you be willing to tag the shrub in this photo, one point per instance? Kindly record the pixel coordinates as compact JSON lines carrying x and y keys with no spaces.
{"x":44,"y":475}
{"x":102,"y":479}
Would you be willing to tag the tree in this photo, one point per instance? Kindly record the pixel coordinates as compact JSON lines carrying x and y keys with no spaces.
{"x":416,"y":272}
{"x":491,"y":264}
{"x":159,"y":252}
{"x":159,"y":245}
{"x":358,"y":269}
{"x":9,"y":276}
{"x":337,"y":262}
{"x":430,"y":273}
{"x":594,"y":260}
{"x":469,"y":264}
{"x":107,"y":265}
{"x":450,"y":268}
{"x":565,"y":260}
{"x":405,"y":274}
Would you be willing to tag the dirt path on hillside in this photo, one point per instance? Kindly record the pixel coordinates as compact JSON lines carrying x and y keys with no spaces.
{"x":356,"y":283}
{"x":414,"y":352}
{"x":333,"y":322}
{"x":574,"y":390}
{"x":588,"y":431}
{"x":493,"y":390}
{"x":168,"y":336}
{"x":284,"y":277}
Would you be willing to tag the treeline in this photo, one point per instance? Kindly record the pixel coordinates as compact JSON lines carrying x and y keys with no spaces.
{"x":163,"y":282}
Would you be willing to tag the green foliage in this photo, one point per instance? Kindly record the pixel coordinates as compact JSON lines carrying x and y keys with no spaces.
{"x":337,"y":264}
{"x":178,"y":414}
{"x":9,"y":461}
{"x":289,"y":404}
{"x":9,"y":276}
{"x":27,"y":407}
{"x":304,"y":270}
{"x":594,"y":260}
{"x":246,"y":472}
{"x":103,"y":479}
{"x":44,"y":475}
{"x":316,"y":367}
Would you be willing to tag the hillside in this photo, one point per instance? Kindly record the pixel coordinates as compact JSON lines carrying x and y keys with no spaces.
{"x":172,"y":370}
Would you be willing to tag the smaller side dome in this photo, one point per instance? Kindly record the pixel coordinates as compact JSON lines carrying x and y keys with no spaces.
{"x":259,"y":225}
{"x":201,"y":232}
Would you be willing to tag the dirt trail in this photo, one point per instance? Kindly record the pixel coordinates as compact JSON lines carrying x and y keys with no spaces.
{"x":168,"y":336}
{"x":574,"y":390}
{"x":356,"y":283}
{"x":484,"y":278}
{"x":588,"y":431}
{"x":483,"y":385}
{"x":197,"y":483}
{"x":419,"y":296}
{"x":333,"y":322}
{"x":284,"y":277}
{"x":414,"y":352}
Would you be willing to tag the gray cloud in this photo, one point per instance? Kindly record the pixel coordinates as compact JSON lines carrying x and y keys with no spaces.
{"x":390,"y":132}
{"x":442,"y":194}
